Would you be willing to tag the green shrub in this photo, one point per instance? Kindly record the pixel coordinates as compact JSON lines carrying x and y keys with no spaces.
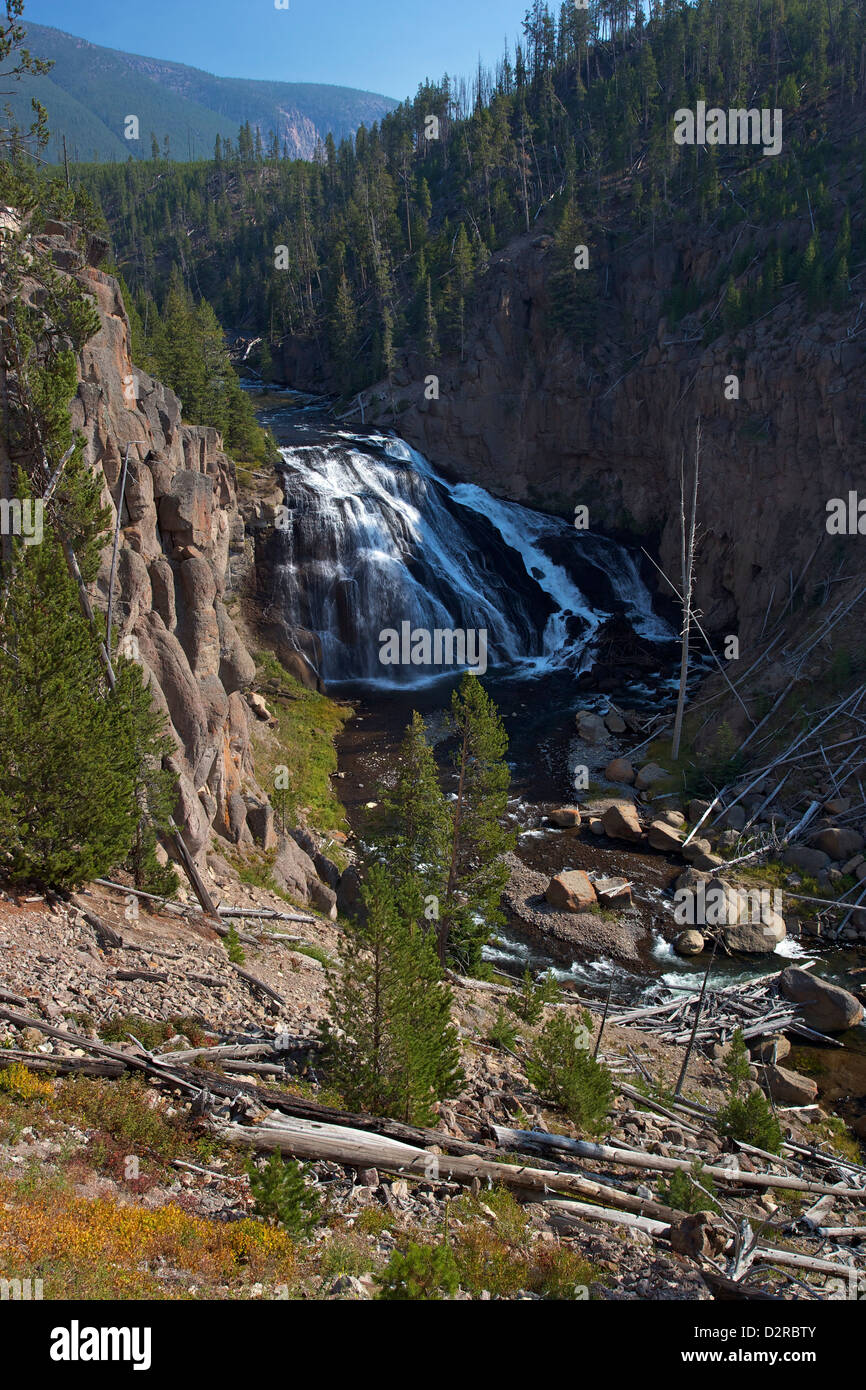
{"x":750,"y":1120}
{"x":233,"y":946}
{"x":502,"y":1032}
{"x":282,"y":1195}
{"x":534,"y":994}
{"x":421,"y":1272}
{"x":684,"y":1193}
{"x":562,"y":1070}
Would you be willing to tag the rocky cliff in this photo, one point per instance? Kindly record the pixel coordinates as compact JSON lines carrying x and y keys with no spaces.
{"x":181,"y":554}
{"x":531,"y":416}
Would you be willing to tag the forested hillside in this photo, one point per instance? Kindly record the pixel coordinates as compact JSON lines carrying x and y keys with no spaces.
{"x":91,"y":90}
{"x":380,"y":244}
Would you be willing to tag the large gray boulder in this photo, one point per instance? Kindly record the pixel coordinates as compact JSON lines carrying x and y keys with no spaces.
{"x":826,"y":1008}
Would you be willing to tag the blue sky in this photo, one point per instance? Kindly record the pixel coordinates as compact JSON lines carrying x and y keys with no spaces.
{"x":386,"y":46}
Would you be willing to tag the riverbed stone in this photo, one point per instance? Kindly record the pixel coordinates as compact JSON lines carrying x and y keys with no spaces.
{"x":614,"y":722}
{"x":756,"y":938}
{"x":774,"y":1049}
{"x":613,"y":892}
{"x":689,"y":943}
{"x":571,"y":891}
{"x":650,"y":775}
{"x":620,"y":770}
{"x":826,"y":1007}
{"x":621,"y":822}
{"x":566,"y":817}
{"x":696,"y":809}
{"x":664,"y":837}
{"x":590,"y":727}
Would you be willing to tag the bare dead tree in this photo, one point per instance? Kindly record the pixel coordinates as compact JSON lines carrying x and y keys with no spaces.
{"x":687,"y":557}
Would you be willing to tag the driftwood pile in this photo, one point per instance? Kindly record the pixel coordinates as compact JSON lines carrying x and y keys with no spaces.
{"x":755,"y":1006}
{"x":576,"y":1181}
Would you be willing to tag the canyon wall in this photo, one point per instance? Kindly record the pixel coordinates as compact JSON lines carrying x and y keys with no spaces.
{"x":182,"y":552}
{"x":533,"y":417}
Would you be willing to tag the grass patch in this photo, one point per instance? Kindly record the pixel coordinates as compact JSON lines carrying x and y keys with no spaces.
{"x":153,"y":1032}
{"x":305,"y":948}
{"x":303,"y":742}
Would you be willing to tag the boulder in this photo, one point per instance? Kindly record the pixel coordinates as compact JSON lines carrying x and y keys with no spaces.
{"x":302,"y":837}
{"x":691,"y":877}
{"x":664,"y":837}
{"x":788,"y":1087}
{"x":614,"y":722}
{"x":650,"y":775}
{"x":808,"y":861}
{"x":756,"y":938}
{"x":734,"y":819}
{"x":774,"y":1049}
{"x":621,"y":822}
{"x":689,"y":943}
{"x":293,"y":870}
{"x":571,"y":891}
{"x":620,"y":770}
{"x":704,"y":1234}
{"x":567,"y":817}
{"x":258,"y":706}
{"x":699,"y":853}
{"x":596,"y":825}
{"x":839,"y":842}
{"x":697,"y":808}
{"x":826,"y":1008}
{"x":613,"y":892}
{"x":323,"y":898}
{"x":590,"y":727}
{"x":674,"y":818}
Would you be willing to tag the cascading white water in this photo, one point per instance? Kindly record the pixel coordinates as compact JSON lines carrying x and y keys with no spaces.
{"x":373,"y":538}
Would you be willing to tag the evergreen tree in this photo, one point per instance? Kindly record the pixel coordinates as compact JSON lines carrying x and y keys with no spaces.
{"x":389,"y":1042}
{"x":415,"y":840}
{"x":477,"y":873}
{"x":71,"y":756}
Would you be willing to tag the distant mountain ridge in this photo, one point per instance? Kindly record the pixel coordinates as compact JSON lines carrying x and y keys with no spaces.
{"x":91,"y":90}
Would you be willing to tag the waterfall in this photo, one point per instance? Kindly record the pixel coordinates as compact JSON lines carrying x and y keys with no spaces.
{"x":372,"y":538}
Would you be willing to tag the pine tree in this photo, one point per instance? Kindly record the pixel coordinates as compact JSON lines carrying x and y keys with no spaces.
{"x":389,"y":1042}
{"x":71,"y":755}
{"x":416,"y":837}
{"x":477,"y":873}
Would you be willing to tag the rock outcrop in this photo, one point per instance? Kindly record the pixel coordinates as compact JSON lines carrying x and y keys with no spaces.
{"x":180,"y":531}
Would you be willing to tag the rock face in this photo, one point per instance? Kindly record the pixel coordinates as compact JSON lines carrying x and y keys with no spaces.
{"x":826,"y":1008}
{"x":181,"y":537}
{"x":527,"y":415}
{"x":571,"y":891}
{"x":180,"y":526}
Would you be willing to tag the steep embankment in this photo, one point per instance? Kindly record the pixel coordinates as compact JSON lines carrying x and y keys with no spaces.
{"x":529,"y":415}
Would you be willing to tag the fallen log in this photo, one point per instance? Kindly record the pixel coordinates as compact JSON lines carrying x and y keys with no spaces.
{"x":636,"y":1158}
{"x":256,"y":984}
{"x":569,"y":1215}
{"x":358,"y":1148}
